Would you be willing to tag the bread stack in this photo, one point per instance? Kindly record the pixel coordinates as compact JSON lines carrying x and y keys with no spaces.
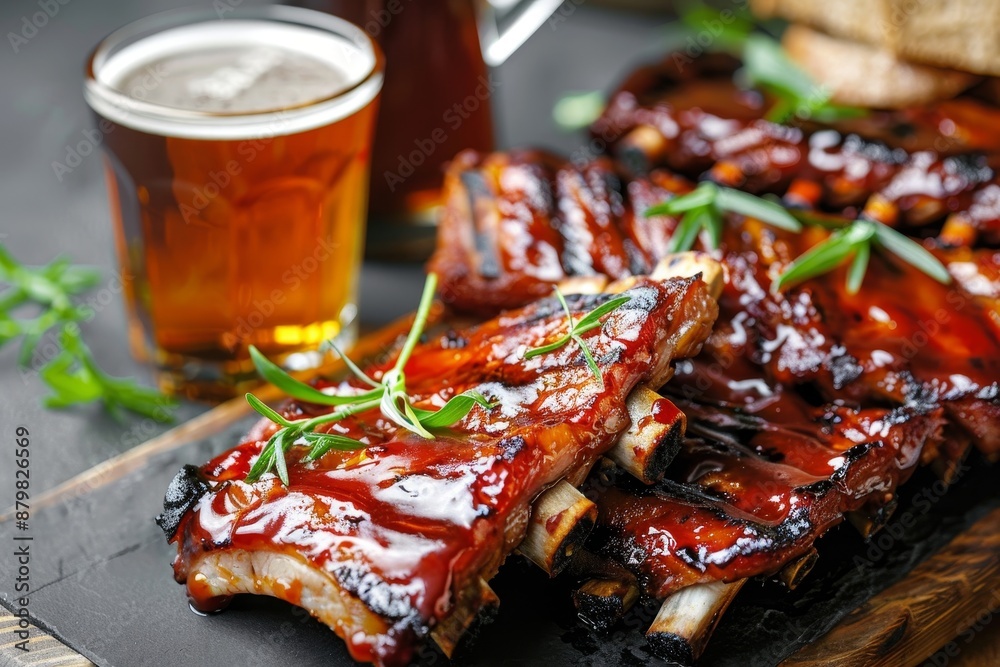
{"x":891,"y":53}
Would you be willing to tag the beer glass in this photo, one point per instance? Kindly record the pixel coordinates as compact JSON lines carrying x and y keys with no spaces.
{"x":436,"y":100}
{"x":237,"y":159}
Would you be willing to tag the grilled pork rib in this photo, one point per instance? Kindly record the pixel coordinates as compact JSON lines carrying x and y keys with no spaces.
{"x":905,"y":371}
{"x":516,"y":223}
{"x":759,"y":480}
{"x":940,"y":348}
{"x":387,"y":544}
{"x":910,"y":167}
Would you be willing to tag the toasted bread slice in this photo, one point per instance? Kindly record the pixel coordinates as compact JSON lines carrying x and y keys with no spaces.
{"x":860,"y":20}
{"x":958,"y":34}
{"x":863,"y":75}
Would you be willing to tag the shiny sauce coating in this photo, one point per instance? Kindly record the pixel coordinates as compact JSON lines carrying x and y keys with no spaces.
{"x":406,"y":524}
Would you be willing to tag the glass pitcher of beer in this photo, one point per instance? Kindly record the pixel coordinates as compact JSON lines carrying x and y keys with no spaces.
{"x":436,"y":100}
{"x":237,"y":159}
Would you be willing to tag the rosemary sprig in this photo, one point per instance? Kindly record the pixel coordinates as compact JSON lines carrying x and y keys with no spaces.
{"x":855,"y":242}
{"x":729,"y":28}
{"x":388,"y":395}
{"x":702,"y":209}
{"x":71,"y":374}
{"x":766,"y":66}
{"x":576,"y":329}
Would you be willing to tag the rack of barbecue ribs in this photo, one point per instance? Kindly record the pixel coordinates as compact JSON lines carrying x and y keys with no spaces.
{"x":762,"y":474}
{"x":913,"y":167}
{"x":807,"y":405}
{"x":397,"y":541}
{"x":517,"y":223}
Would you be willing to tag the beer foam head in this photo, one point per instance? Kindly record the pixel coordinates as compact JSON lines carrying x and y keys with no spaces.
{"x":235,"y":78}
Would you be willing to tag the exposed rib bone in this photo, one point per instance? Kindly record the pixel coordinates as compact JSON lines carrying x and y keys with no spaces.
{"x":691,"y":263}
{"x":610,"y":590}
{"x":653,"y":438}
{"x":642,"y":148}
{"x":793,"y":573}
{"x":477,"y":600}
{"x":561,"y":520}
{"x":583,"y":284}
{"x":948,"y":464}
{"x":601,"y":603}
{"x":869,"y":522}
{"x":686,"y":620}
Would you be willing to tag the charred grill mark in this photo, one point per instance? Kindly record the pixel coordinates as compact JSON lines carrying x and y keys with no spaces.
{"x":590,"y":203}
{"x":971,"y":168}
{"x":186,"y":489}
{"x":486,"y":243}
{"x":844,"y":368}
{"x":389,"y":600}
{"x":511,"y":447}
{"x":454,"y":340}
{"x":873,"y":150}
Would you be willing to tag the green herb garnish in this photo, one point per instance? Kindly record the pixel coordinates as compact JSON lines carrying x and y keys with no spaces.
{"x":727,"y":28}
{"x":71,"y":373}
{"x":574,"y":111}
{"x":765,"y":63}
{"x":766,"y":66}
{"x":389,"y":396}
{"x":576,"y":329}
{"x":855,"y":242}
{"x":702,"y":208}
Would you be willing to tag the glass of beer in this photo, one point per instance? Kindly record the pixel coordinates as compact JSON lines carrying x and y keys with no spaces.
{"x":439,"y":52}
{"x":237,"y":159}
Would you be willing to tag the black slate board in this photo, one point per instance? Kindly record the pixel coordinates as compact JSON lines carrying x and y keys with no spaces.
{"x":103,"y":584}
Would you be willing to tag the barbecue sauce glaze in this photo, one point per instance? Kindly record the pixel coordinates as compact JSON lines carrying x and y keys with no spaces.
{"x":407,"y":524}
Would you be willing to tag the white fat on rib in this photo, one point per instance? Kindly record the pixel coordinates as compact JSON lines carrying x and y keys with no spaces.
{"x":288,"y":578}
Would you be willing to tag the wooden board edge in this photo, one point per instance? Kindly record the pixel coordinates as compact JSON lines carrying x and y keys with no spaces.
{"x":904,"y":624}
{"x":41,"y":647}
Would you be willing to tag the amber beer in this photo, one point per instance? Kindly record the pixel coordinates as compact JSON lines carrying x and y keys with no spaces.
{"x":433,"y":56}
{"x":435,"y":103}
{"x":237,"y":162}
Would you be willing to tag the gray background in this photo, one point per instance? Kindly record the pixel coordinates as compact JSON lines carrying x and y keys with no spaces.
{"x":43,"y":112}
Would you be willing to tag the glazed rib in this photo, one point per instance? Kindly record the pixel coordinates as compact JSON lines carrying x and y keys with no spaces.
{"x":890,"y":348}
{"x":762,"y":475}
{"x":895,"y":166}
{"x":905,"y":371}
{"x":396,"y":542}
{"x":751,"y":492}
